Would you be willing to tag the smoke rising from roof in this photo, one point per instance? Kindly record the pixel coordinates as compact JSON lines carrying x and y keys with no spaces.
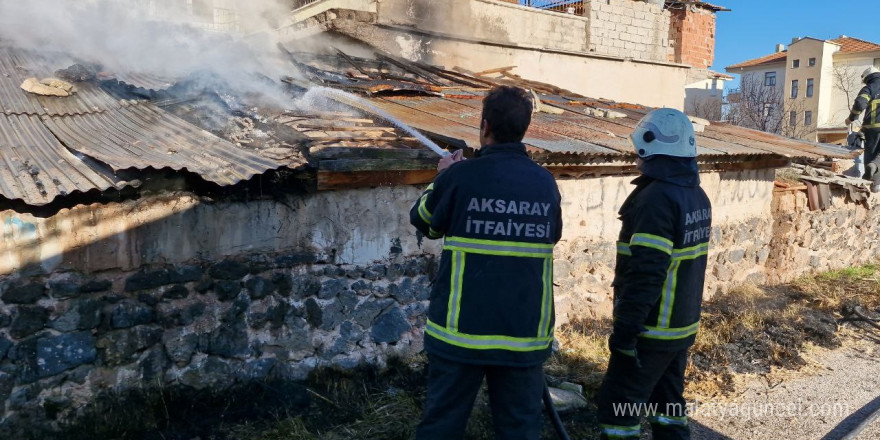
{"x":165,"y":38}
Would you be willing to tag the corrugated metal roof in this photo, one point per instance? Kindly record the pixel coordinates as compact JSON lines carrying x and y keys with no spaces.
{"x":456,"y":114}
{"x":36,"y":168}
{"x":145,"y":81}
{"x":54,"y":146}
{"x":18,"y":65}
{"x":143,"y":136}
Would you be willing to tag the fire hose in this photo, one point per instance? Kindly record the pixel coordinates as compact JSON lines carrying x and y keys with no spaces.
{"x":554,"y":415}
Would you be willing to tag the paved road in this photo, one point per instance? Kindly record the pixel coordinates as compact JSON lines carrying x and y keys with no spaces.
{"x":818,"y":405}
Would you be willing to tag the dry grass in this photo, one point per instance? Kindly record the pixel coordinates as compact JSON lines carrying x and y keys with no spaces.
{"x":752,"y":330}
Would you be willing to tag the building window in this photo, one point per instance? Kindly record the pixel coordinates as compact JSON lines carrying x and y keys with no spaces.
{"x":794,"y":89}
{"x":770,"y":79}
{"x":810,"y":88}
{"x":812,"y":62}
{"x":808,"y":118}
{"x":795,"y":64}
{"x":792,"y":119}
{"x":768,"y":110}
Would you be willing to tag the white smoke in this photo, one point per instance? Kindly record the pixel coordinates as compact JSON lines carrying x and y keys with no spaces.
{"x":232,"y":39}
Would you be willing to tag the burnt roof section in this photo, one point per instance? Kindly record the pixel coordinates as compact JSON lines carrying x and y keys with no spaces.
{"x":447,"y":104}
{"x":54,"y":146}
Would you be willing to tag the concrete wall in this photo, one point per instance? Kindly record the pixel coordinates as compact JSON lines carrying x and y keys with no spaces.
{"x":627,"y":28}
{"x":704,"y":95}
{"x":646,"y":83}
{"x":489,"y":20}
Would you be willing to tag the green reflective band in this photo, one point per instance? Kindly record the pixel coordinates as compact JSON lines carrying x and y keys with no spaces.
{"x":500,"y":248}
{"x":866,"y":96}
{"x":546,"y":299}
{"x":669,"y":334}
{"x":454,"y":306}
{"x":614,"y":431}
{"x":668,"y":420}
{"x":652,"y":241}
{"x":691,"y":252}
{"x":668,"y":298}
{"x":486,"y":342}
{"x":433,"y":234}
{"x":623,"y":249}
{"x":423,"y":210}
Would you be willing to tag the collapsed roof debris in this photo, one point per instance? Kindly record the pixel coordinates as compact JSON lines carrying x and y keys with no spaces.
{"x":121,"y":121}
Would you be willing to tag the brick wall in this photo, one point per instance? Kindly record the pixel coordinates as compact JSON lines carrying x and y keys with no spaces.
{"x":628,"y":28}
{"x":692,"y":35}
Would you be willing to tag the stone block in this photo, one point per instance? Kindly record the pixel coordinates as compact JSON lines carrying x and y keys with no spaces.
{"x":120,"y":347}
{"x":185,"y":274}
{"x":228,"y":270}
{"x":129,"y":314}
{"x":17,"y":292}
{"x":389,"y":326}
{"x":147,"y":279}
{"x":259,"y":287}
{"x":331,"y":288}
{"x":175,"y":292}
{"x":28,"y":320}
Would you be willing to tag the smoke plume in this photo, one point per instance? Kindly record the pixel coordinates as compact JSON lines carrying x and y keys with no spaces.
{"x":165,"y":38}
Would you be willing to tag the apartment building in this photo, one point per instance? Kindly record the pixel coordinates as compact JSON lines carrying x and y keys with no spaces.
{"x":806,"y":89}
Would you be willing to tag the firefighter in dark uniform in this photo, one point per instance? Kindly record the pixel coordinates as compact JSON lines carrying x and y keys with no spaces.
{"x":658,"y":283}
{"x":491,"y":313}
{"x":868,"y":101}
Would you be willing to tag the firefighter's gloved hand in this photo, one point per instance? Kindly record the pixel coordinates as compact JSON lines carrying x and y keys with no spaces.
{"x":447,"y":161}
{"x":623,"y":341}
{"x":848,"y":121}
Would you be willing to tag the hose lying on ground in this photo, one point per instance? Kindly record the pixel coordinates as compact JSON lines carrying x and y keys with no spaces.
{"x":554,"y":416}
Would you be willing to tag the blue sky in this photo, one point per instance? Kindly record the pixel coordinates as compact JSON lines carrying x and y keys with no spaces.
{"x":754,"y":27}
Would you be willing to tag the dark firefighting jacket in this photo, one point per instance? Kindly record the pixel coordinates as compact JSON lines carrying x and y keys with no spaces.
{"x":868,"y":101}
{"x":492,"y":300}
{"x":661,"y":255}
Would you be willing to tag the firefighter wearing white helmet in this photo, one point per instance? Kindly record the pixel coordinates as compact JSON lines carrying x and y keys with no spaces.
{"x":666,"y":131}
{"x":868,"y":102}
{"x":658,"y":284}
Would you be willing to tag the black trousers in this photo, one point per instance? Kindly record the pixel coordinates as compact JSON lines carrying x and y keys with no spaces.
{"x":872,"y":151}
{"x":514,"y":396}
{"x":654,"y":390}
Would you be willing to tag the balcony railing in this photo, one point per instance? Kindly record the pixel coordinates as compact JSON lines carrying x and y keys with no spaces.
{"x":576,"y":7}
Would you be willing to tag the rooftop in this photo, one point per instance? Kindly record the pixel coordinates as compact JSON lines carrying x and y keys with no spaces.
{"x":847,"y":45}
{"x":112,"y":134}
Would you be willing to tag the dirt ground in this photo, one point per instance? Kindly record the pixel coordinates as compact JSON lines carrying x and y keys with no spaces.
{"x":826,"y":399}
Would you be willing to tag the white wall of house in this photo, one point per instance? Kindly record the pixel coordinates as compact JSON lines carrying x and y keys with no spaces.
{"x":704,"y":96}
{"x":852,"y":66}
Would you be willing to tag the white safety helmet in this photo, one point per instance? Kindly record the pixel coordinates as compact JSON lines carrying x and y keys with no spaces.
{"x":868,"y":72}
{"x":667,"y":132}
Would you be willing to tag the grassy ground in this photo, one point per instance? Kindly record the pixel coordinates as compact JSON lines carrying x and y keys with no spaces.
{"x":750,"y":330}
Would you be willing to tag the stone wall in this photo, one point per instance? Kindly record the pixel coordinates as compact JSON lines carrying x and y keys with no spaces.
{"x":69,"y":337}
{"x":176,"y":291}
{"x":627,"y":28}
{"x":805,"y":241}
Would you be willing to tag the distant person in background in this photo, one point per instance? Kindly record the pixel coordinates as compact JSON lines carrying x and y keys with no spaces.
{"x":868,"y":101}
{"x":491,"y":313}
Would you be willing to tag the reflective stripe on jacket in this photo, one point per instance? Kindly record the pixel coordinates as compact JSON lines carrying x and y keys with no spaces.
{"x":661,"y":262}
{"x":492,"y":300}
{"x":868,"y":101}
